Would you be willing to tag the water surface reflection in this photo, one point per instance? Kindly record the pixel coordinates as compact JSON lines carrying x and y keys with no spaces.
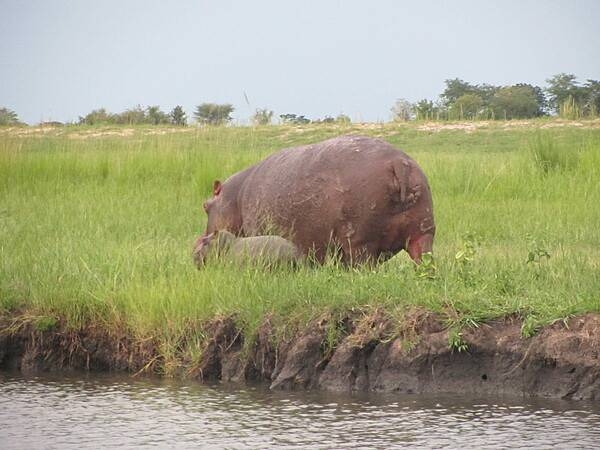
{"x":99,"y":411}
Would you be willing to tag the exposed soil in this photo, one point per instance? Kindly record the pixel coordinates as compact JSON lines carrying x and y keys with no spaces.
{"x":562,"y":360}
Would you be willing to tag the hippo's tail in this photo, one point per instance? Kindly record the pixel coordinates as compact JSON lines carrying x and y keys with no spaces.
{"x":400,"y":190}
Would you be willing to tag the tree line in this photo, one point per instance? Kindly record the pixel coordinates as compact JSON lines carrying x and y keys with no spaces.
{"x":563,"y":96}
{"x":151,"y":115}
{"x":461,"y":100}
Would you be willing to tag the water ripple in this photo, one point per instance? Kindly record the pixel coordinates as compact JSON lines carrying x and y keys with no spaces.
{"x":113,"y":412}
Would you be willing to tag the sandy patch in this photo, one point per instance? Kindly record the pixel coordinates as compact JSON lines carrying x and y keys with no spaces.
{"x":467,"y":127}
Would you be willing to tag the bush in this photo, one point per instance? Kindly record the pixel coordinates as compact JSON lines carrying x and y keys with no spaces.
{"x":213,"y":113}
{"x":294,"y":119}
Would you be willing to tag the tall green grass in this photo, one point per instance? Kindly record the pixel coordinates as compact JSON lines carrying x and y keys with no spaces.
{"x":99,"y":227}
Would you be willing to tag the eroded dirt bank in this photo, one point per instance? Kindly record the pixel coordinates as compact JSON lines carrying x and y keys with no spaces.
{"x":562,"y":360}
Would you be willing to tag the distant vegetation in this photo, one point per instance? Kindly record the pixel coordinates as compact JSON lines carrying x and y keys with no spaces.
{"x":213,"y":113}
{"x":564,"y":96}
{"x":262,"y":117}
{"x":9,"y":117}
{"x":152,"y":115}
{"x":461,"y":100}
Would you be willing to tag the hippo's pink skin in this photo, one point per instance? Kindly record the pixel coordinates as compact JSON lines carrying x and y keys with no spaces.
{"x":358,"y":193}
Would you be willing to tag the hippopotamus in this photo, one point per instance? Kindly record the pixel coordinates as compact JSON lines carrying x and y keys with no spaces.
{"x":356,"y":194}
{"x":267,"y":250}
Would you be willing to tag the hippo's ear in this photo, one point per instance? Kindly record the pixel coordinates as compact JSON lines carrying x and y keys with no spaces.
{"x":217,"y":187}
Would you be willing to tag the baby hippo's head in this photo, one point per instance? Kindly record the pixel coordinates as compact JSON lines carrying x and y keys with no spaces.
{"x":212,"y":245}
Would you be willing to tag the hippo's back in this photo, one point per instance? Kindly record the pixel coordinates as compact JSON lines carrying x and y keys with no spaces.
{"x":338,"y":189}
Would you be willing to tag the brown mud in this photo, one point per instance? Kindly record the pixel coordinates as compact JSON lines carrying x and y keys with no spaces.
{"x":371,"y":354}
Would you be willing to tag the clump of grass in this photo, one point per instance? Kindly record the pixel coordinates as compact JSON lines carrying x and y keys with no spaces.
{"x":549,"y":155}
{"x":45,"y":323}
{"x":569,"y":109}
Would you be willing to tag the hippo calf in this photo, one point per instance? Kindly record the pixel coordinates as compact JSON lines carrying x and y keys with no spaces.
{"x":357,"y":194}
{"x":267,"y":250}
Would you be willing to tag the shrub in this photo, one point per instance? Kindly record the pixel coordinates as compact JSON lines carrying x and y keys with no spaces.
{"x":213,"y":113}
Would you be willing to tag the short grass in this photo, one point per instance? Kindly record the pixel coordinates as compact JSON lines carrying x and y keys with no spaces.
{"x":96,"y":225}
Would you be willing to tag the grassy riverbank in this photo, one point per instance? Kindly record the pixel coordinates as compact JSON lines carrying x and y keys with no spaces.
{"x":96,"y":225}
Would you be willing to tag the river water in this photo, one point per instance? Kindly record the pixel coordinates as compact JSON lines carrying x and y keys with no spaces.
{"x":100,"y":411}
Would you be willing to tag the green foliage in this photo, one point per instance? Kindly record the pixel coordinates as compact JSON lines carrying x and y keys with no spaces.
{"x":560,"y":88}
{"x":152,"y":115}
{"x":516,"y":102}
{"x":457,"y":88}
{"x":177,"y":116}
{"x":465,"y":257}
{"x":213,"y":113}
{"x":530,"y":326}
{"x":8,"y":117}
{"x":157,"y":117}
{"x":467,"y":106}
{"x":262,"y":117}
{"x":536,"y":251}
{"x":326,"y":119}
{"x":45,"y":323}
{"x":424,"y":110}
{"x":294,"y":119}
{"x":427,"y":269}
{"x":572,"y":100}
{"x":456,"y":341}
{"x":591,"y":106}
{"x":131,"y":116}
{"x":97,"y":117}
{"x":463,"y":100}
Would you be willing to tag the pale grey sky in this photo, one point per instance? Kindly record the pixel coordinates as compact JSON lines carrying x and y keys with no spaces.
{"x":60,"y":59}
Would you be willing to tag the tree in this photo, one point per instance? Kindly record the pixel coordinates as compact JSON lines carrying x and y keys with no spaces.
{"x":213,"y":113}
{"x":540,"y":97}
{"x":592,"y":98}
{"x":132,"y":116}
{"x":467,"y":106}
{"x":563,"y":88}
{"x":402,"y":109}
{"x":424,"y":109}
{"x":262,"y":117}
{"x":516,"y":102}
{"x":455,"y":89}
{"x":98,"y":116}
{"x":8,"y":117}
{"x":155,"y":116}
{"x":486,"y":92}
{"x":294,"y":119}
{"x":177,"y":116}
{"x":326,"y":119}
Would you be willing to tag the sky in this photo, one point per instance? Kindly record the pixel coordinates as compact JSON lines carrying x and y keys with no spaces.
{"x":61,"y":59}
